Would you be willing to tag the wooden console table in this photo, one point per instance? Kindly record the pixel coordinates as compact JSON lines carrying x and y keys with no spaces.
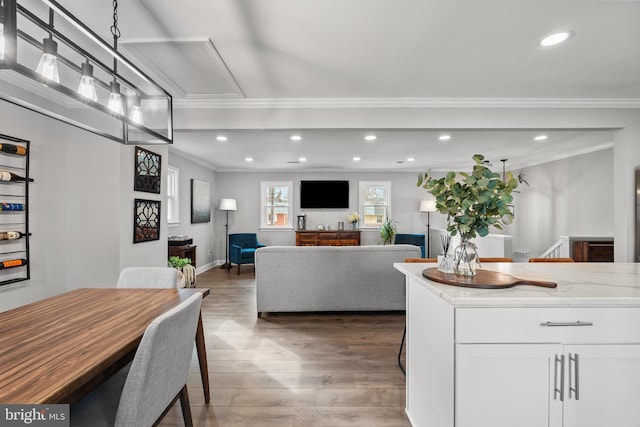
{"x":327,"y":238}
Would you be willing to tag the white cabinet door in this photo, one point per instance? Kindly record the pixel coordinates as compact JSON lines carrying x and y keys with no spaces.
{"x":607,"y":383}
{"x":507,"y":385}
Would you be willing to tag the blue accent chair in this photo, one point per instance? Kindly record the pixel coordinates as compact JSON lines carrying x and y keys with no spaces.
{"x":242,"y":248}
{"x":411,"y":239}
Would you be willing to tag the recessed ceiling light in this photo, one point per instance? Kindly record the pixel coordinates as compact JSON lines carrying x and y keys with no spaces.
{"x":370,"y":137}
{"x":221,"y":138}
{"x":356,"y":159}
{"x":540,"y":137}
{"x":411,"y":159}
{"x":296,"y":137}
{"x":555,"y":38}
{"x":444,"y":137}
{"x":248,"y":159}
{"x":302,"y":159}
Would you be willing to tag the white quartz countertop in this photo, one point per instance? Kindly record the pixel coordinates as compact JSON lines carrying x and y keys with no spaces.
{"x":579,"y":284}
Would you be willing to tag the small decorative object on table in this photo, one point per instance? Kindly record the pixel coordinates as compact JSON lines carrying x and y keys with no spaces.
{"x":302,"y":222}
{"x":473,"y":202}
{"x":445,"y":261}
{"x":354,"y":218}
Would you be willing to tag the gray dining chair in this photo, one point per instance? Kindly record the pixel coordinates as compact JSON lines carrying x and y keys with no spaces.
{"x":142,"y":393}
{"x":148,"y":277}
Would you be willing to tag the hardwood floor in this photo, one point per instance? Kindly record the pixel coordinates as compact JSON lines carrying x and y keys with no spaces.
{"x":293,"y":370}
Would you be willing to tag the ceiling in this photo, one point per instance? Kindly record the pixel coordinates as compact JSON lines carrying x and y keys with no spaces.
{"x":230,"y":53}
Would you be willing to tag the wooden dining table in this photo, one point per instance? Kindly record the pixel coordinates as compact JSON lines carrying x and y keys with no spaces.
{"x":59,"y":349}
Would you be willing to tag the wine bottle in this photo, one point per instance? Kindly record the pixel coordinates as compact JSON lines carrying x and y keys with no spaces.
{"x":13,"y":263}
{"x":13,"y":149}
{"x":10,"y":176}
{"x":11,"y":206}
{"x":12,"y":235}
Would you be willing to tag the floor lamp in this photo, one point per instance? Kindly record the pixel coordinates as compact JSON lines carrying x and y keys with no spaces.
{"x":428,"y":206}
{"x":227,"y":205}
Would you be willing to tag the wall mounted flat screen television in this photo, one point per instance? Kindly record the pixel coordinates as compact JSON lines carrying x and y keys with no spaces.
{"x":324,"y":194}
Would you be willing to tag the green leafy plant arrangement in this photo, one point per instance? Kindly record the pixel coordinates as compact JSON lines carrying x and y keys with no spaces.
{"x":177,"y":262}
{"x":387,"y":231}
{"x":472,"y":202}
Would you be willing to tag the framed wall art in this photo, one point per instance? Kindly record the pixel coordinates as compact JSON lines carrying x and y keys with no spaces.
{"x":147,"y":176}
{"x":146,"y":220}
{"x":200,"y":201}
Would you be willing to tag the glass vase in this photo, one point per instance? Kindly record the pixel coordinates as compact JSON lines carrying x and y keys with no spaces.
{"x":465,"y":257}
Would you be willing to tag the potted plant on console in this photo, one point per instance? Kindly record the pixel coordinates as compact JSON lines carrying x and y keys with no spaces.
{"x":354,"y":218}
{"x":387,"y":231}
{"x":473,"y":203}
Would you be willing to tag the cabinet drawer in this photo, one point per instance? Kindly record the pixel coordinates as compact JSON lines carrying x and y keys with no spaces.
{"x":327,"y":236}
{"x":547,"y":325}
{"x":349,"y":235}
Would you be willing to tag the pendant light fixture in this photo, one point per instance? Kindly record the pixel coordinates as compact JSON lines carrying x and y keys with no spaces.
{"x":87,"y":86}
{"x":48,"y":65}
{"x":104,"y":92}
{"x":115,"y":103}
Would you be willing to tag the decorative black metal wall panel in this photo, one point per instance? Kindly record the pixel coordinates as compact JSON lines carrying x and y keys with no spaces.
{"x":146,"y":220}
{"x":147,"y":176}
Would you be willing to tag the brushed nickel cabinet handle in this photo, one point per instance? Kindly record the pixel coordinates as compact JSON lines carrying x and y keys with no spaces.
{"x":578,"y":323}
{"x":556,"y":390}
{"x":575,"y":360}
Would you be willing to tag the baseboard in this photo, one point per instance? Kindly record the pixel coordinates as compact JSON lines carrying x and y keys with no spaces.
{"x":206,"y":267}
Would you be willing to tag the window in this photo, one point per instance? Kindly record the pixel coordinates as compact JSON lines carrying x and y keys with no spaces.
{"x":173,"y":208}
{"x":276,"y":205}
{"x":375,"y":203}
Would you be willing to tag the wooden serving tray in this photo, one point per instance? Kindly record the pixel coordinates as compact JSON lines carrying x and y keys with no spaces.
{"x":484,"y":279}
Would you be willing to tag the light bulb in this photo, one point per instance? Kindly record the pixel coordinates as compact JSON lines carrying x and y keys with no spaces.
{"x":115,"y":99}
{"x":135,"y":113}
{"x":1,"y":41}
{"x":48,"y":65}
{"x":87,"y":87}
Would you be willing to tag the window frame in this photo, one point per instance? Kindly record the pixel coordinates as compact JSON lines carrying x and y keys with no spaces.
{"x":361,"y":205}
{"x":264,"y":185}
{"x":176,"y":172}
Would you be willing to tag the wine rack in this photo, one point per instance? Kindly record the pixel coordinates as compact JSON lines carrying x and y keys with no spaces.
{"x":14,"y":210}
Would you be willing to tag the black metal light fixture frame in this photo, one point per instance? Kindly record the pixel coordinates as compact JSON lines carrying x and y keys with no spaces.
{"x":9,"y":15}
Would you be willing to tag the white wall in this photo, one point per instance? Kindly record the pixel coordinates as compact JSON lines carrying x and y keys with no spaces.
{"x":203,"y":233}
{"x":571,"y":197}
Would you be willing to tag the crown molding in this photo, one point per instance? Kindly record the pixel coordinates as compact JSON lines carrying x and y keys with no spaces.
{"x":340,"y":103}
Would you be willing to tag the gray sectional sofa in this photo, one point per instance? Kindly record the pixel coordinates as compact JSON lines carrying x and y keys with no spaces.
{"x":330,"y":278}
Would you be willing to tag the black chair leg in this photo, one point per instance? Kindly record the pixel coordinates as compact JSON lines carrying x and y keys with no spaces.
{"x":404,"y":334}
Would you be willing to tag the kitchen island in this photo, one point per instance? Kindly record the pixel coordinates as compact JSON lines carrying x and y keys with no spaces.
{"x":525,"y":356}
